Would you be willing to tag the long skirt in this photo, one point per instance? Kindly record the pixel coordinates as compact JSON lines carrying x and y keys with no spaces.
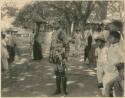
{"x":11,"y":51}
{"x":37,"y":52}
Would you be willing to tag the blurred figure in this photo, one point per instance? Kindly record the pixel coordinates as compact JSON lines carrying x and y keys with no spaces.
{"x":101,"y":56}
{"x":88,"y":47}
{"x":91,"y":56}
{"x":78,"y":38}
{"x":115,"y":64}
{"x":59,"y":35}
{"x":4,"y":53}
{"x":60,"y":69}
{"x":53,"y":45}
{"x":60,"y":58}
{"x":11,"y":44}
{"x":37,"y":49}
{"x":88,"y":43}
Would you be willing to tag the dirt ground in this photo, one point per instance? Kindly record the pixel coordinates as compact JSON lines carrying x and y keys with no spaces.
{"x":36,"y":78}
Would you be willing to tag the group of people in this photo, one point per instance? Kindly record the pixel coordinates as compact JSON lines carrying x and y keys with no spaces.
{"x":107,"y":54}
{"x":8,"y":47}
{"x":110,"y":65}
{"x":103,"y":46}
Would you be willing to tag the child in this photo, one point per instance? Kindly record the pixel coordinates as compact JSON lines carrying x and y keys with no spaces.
{"x":101,"y":54}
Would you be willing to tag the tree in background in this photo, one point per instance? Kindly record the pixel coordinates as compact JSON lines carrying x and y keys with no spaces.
{"x":73,"y":14}
{"x":8,"y":8}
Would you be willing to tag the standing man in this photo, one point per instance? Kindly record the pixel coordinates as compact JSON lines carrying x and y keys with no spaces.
{"x":60,"y":62}
{"x":78,"y":38}
{"x":11,"y":44}
{"x":101,"y":55}
{"x":88,"y":41}
{"x":115,"y":63}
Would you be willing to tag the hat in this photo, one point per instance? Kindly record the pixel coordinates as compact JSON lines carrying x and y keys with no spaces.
{"x":78,"y":29}
{"x":100,"y":37}
{"x":106,"y":21}
{"x":115,"y":34}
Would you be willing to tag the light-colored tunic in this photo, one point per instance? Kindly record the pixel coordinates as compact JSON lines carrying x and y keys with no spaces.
{"x":4,"y":54}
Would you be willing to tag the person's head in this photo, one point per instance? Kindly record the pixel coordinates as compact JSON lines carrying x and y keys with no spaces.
{"x":98,"y":29}
{"x":57,"y":26}
{"x":114,"y":37}
{"x":12,"y":34}
{"x":78,"y":31}
{"x":107,"y":27}
{"x":100,"y":42}
{"x":3,"y":36}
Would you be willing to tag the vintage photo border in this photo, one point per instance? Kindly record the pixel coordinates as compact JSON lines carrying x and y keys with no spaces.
{"x":74,"y":0}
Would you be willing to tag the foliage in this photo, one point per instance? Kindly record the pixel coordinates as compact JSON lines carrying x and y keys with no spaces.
{"x":9,"y":9}
{"x":71,"y":13}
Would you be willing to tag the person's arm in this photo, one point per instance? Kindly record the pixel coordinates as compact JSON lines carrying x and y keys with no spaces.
{"x":96,"y":53}
{"x":120,"y":64}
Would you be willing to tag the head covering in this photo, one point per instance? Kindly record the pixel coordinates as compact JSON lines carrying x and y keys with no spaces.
{"x":78,"y":29}
{"x":106,"y":21}
{"x":115,"y":34}
{"x":100,"y":37}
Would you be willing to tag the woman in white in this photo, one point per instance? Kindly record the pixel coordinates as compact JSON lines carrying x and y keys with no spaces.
{"x":78,"y":38}
{"x":4,"y":53}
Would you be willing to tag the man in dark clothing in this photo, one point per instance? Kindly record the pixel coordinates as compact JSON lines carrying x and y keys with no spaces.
{"x":37,"y":53}
{"x":88,"y":47}
{"x":11,"y":44}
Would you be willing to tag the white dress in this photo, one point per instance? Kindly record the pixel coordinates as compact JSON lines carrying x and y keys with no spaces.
{"x":4,"y":55}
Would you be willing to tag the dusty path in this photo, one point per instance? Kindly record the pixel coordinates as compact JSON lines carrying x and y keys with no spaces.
{"x":36,"y":78}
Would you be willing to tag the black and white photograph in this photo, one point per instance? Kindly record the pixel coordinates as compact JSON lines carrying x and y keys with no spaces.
{"x":69,"y":48}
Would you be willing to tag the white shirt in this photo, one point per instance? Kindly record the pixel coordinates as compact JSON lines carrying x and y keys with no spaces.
{"x":102,"y":55}
{"x":78,"y":38}
{"x":114,"y":57}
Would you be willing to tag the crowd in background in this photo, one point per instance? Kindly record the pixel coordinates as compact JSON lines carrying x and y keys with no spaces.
{"x":101,"y":50}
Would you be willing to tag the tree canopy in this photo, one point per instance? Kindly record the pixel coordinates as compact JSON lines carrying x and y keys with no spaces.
{"x":73,"y":14}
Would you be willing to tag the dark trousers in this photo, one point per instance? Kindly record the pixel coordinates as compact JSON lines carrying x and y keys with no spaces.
{"x":61,"y":79}
{"x":37,"y":53}
{"x":11,"y":51}
{"x":86,"y":52}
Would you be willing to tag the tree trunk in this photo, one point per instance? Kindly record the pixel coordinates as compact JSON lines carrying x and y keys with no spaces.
{"x":88,"y":11}
{"x":102,"y":10}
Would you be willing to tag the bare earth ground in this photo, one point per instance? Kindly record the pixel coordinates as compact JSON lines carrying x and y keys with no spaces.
{"x":36,"y":78}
